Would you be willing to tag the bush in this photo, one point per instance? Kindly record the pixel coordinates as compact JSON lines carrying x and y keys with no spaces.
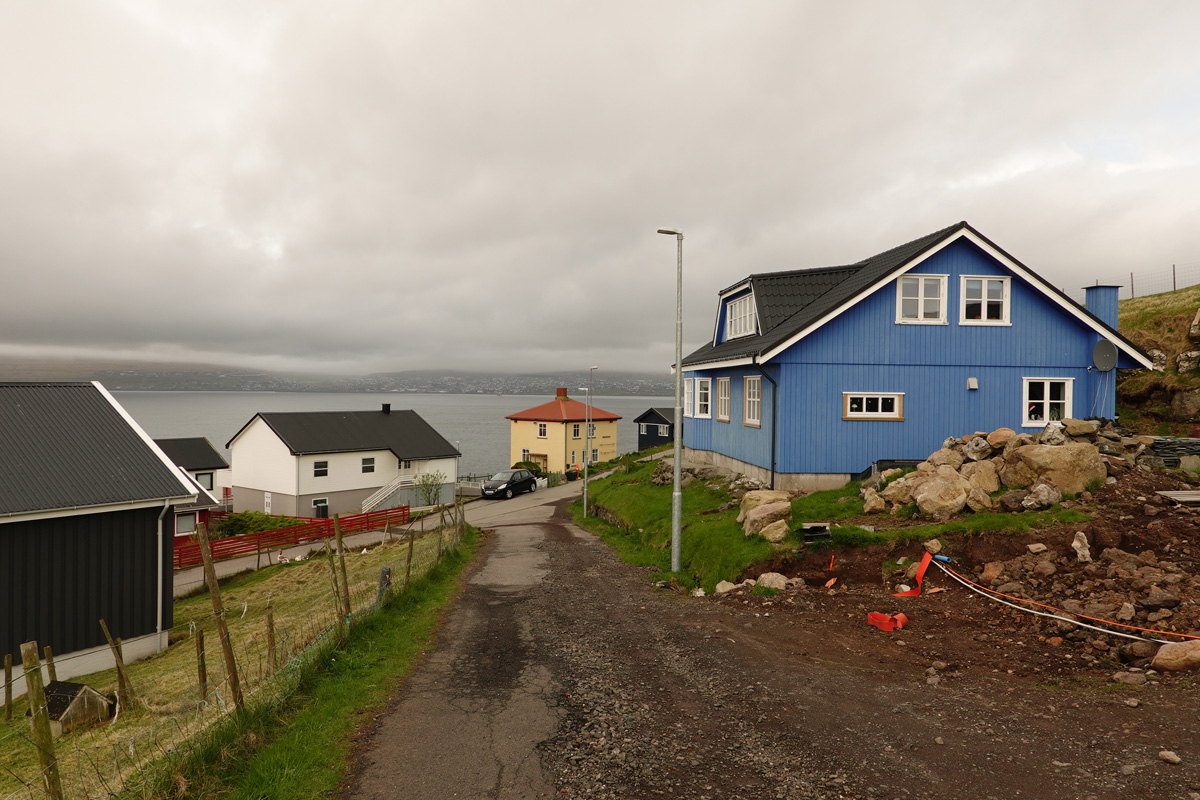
{"x":250,"y":522}
{"x":529,"y":465}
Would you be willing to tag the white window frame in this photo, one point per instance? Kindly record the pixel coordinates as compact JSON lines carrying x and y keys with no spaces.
{"x":752,"y":405}
{"x":575,"y":428}
{"x":1068,"y":400}
{"x":319,"y":502}
{"x":664,"y":430}
{"x":920,"y":319}
{"x":543,"y":430}
{"x":741,"y":317}
{"x":877,"y":399}
{"x":368,"y":464}
{"x":1005,"y":301}
{"x":704,"y":398}
{"x":687,"y":398}
{"x":642,"y":426}
{"x":205,"y":479}
{"x":525,"y":455}
{"x":184,"y":517}
{"x":722,"y":399}
{"x":320,"y":469}
{"x":591,"y":430}
{"x":595,"y":455}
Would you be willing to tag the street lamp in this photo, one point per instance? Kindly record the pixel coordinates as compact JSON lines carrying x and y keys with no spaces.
{"x":587,"y":434}
{"x":677,"y":491}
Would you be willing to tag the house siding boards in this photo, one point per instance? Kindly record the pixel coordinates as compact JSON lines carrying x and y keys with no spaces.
{"x":263,"y":463}
{"x":58,"y":579}
{"x":864,"y":349}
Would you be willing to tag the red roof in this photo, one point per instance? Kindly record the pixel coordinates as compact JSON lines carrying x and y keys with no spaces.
{"x":562,"y":409}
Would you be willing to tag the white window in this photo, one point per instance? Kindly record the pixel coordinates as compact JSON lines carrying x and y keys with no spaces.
{"x":872,"y":405}
{"x":541,"y":430}
{"x":739,"y":317}
{"x":205,"y":479}
{"x":921,"y":300}
{"x":752,"y":414}
{"x":642,"y":428}
{"x":595,"y":455}
{"x":984,"y":301}
{"x":406,"y":465}
{"x":572,"y":458}
{"x":664,"y":430}
{"x":185,"y":523}
{"x":575,"y":430}
{"x":1046,"y":400}
{"x":704,"y":398}
{"x":723,"y":399}
{"x":320,"y":469}
{"x":687,"y":398}
{"x":368,"y":465}
{"x":524,"y":455}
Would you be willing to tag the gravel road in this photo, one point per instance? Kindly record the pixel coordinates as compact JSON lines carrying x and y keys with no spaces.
{"x":562,"y":673}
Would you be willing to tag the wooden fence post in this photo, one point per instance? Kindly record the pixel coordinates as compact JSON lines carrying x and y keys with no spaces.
{"x":53,"y":673}
{"x":42,"y":738}
{"x":201,"y":668}
{"x":408,"y":562}
{"x":337,"y":530}
{"x":7,"y":686}
{"x":214,"y":591}
{"x":124,"y":687}
{"x":333,"y":581}
{"x":385,"y":586}
{"x":270,"y":636}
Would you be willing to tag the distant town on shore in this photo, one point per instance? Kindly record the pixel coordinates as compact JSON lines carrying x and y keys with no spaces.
{"x":134,"y":376}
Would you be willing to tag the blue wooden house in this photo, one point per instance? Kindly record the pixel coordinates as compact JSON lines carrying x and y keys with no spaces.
{"x":812,"y":376}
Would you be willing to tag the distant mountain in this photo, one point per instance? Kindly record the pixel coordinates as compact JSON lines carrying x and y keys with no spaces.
{"x":144,"y":376}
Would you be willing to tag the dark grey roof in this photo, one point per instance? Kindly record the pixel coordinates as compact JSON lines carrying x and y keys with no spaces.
{"x":788,"y":302}
{"x":667,"y":415}
{"x":194,"y":453}
{"x":402,"y":432}
{"x":65,"y":446}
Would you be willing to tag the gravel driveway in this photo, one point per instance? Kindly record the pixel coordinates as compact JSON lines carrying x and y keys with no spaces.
{"x":561,"y":673}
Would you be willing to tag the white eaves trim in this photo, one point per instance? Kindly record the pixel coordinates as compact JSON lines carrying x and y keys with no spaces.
{"x":721,"y":295}
{"x":719,"y":364}
{"x":1013,"y":266}
{"x":184,"y":484}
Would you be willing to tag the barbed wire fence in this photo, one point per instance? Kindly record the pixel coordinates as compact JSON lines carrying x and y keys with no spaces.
{"x":175,"y":703}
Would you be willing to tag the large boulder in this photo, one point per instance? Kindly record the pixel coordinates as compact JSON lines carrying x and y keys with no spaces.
{"x":776,"y":532}
{"x":760,"y":497}
{"x":1186,"y":362}
{"x":899,"y":491}
{"x":979,"y":500}
{"x":1044,"y":494}
{"x":946,"y":457}
{"x":977,"y":449}
{"x":1071,"y":466}
{"x":942,"y":495}
{"x":1052,"y":434}
{"x":773,"y":580}
{"x":1175,"y":656}
{"x":983,"y":475}
{"x":762,"y":516}
{"x":1080,"y":427}
{"x":873,"y":503}
{"x":1020,"y":440}
{"x":1186,"y":405}
{"x":999,"y":437}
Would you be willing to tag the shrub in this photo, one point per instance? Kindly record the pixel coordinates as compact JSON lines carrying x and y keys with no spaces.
{"x":250,"y":522}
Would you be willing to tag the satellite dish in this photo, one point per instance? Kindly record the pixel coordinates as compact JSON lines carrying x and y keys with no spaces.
{"x":1104,"y":355}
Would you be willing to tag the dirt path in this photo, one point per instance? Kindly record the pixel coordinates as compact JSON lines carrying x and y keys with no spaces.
{"x":585,"y":682}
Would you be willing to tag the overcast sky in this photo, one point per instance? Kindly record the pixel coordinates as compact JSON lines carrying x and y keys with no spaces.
{"x":377,"y":186}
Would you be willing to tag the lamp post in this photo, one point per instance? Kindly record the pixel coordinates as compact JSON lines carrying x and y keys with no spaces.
{"x":677,"y":491}
{"x":587,"y":437}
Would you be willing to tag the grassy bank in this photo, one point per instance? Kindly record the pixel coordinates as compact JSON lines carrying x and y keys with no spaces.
{"x":300,"y":748}
{"x":635,"y":520}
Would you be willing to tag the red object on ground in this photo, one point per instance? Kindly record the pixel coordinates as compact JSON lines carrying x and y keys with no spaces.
{"x":920,"y":575}
{"x":886,"y":623}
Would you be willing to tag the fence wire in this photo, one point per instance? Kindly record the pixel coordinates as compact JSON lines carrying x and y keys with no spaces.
{"x":169,"y":717}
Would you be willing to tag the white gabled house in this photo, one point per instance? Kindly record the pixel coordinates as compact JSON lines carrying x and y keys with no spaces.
{"x":319,"y":463}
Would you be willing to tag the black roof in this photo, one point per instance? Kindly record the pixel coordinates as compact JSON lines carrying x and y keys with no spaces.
{"x":788,"y":302}
{"x":68,"y":445}
{"x":403,"y":432}
{"x":666,"y":415}
{"x":195,"y":453}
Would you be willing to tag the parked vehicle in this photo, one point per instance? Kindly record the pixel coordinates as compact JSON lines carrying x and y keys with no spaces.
{"x":508,"y":482}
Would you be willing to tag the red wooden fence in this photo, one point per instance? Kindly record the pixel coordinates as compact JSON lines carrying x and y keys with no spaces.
{"x":187,"y":548}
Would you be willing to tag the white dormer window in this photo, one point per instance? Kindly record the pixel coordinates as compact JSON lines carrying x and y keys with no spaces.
{"x":739,"y":317}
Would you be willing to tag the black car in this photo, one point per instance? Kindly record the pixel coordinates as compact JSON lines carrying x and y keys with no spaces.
{"x":508,"y":482}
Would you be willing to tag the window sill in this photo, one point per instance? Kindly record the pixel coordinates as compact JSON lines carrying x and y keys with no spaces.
{"x":975,"y":323}
{"x":871,"y":418}
{"x":922,"y":322}
{"x":749,"y":424}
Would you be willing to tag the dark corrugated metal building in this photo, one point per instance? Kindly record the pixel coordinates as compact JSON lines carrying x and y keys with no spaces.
{"x":82,"y":492}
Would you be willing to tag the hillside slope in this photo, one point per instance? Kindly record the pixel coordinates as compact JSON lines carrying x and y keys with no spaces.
{"x":1163,"y":402}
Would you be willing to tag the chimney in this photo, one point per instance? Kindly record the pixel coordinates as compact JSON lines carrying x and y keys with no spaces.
{"x":387,"y":408}
{"x":1101,"y":302}
{"x":561,"y":394}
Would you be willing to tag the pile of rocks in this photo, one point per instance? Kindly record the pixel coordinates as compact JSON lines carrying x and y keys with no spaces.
{"x":1065,"y":457}
{"x":766,"y":513}
{"x":1144,"y":590}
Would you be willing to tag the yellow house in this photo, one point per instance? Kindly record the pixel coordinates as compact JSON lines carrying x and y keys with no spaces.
{"x":554,"y":435}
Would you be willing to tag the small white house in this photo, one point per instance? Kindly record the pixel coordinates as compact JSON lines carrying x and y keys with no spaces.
{"x":318,"y":463}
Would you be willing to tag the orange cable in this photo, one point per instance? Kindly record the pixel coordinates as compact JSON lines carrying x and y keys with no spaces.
{"x":1064,"y":611}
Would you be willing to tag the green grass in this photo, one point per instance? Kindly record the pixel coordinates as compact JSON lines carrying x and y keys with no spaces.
{"x":299,"y":750}
{"x":714,"y":547}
